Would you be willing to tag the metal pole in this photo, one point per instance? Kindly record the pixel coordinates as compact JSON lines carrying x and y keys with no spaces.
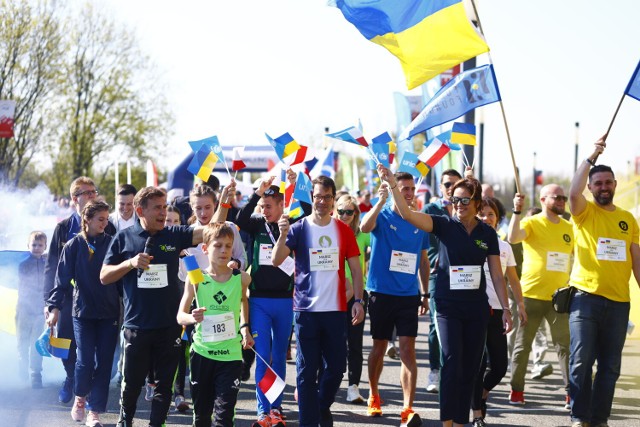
{"x":575,"y":158}
{"x":470,"y":117}
{"x":533,"y":181}
{"x":481,"y":152}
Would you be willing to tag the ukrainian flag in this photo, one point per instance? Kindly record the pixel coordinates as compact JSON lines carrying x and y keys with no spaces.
{"x":295,"y":210}
{"x":203,"y":162}
{"x":59,"y":347}
{"x":427,"y":36}
{"x":193,"y":269}
{"x":463,"y":133}
{"x":284,"y":145}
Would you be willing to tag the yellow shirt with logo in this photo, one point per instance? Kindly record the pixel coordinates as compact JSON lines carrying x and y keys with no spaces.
{"x":603,"y":262}
{"x":547,"y":250}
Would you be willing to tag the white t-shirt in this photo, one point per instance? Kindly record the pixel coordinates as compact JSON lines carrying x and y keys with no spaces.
{"x":506,"y":260}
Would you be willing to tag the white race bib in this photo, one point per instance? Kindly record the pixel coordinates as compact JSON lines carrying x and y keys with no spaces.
{"x":265,"y":254}
{"x":155,"y":277}
{"x":403,"y":262}
{"x":464,"y":277}
{"x":218,"y":327}
{"x":323,"y":259}
{"x":557,"y":261}
{"x":611,"y":249}
{"x":288,"y":266}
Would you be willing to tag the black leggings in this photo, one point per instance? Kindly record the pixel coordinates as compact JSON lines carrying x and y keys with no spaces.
{"x":494,"y":361}
{"x":354,"y":344}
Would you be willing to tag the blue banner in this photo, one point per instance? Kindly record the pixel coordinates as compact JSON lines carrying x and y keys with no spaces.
{"x":465,"y":92}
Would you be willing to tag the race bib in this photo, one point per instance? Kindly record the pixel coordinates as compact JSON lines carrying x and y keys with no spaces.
{"x":611,"y":249}
{"x":557,"y":261}
{"x":323,"y":259}
{"x":464,"y":277}
{"x":155,"y":277}
{"x":265,"y":254}
{"x":218,"y":327}
{"x":403,"y":262}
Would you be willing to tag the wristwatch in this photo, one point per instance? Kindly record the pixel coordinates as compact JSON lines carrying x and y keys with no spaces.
{"x":361,"y":301}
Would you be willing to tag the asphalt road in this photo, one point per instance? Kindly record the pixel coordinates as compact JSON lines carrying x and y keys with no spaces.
{"x":21,"y":406}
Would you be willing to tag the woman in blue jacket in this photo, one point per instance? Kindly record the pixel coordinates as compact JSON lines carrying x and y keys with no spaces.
{"x":95,"y":311}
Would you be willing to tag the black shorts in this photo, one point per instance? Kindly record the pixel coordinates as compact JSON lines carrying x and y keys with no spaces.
{"x":389,"y":311}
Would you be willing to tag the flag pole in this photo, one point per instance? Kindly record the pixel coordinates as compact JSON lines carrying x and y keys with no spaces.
{"x":613,"y":119}
{"x":504,"y":116}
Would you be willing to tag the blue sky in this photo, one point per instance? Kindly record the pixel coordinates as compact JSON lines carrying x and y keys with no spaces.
{"x":238,"y":69}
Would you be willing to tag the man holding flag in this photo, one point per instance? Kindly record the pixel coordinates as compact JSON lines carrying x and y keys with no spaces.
{"x":321,"y":245}
{"x":271,"y":293}
{"x":606,"y":252}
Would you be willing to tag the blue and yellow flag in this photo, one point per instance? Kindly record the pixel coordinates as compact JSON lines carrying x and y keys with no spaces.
{"x":59,"y":347}
{"x":466,"y":91}
{"x":284,"y":145}
{"x":295,"y":210}
{"x":203,"y":162}
{"x":194,"y":273}
{"x":428,"y":37}
{"x":463,"y":133}
{"x":411,"y":164}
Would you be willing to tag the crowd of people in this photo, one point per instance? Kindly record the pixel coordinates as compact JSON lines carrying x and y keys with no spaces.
{"x":123,"y":289}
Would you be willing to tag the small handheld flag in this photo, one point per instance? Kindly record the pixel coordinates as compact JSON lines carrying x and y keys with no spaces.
{"x":434,"y":152}
{"x":283,"y":180}
{"x":42,"y":343}
{"x":285,"y":147}
{"x":463,"y":133}
{"x":295,"y":210}
{"x":271,"y":385}
{"x":410,"y":163}
{"x":351,"y":134}
{"x":203,"y":162}
{"x":59,"y":347}
{"x":236,"y":162}
{"x":193,"y":269}
{"x":303,"y":188}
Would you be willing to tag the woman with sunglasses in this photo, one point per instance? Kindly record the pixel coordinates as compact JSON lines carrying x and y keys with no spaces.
{"x":495,"y":359}
{"x":348,"y":211}
{"x":462,"y":308}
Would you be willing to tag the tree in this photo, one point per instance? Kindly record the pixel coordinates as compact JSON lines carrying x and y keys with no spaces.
{"x":31,"y":45}
{"x":111,"y":105}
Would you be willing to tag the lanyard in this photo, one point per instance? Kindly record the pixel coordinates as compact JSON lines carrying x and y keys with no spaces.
{"x":273,"y":240}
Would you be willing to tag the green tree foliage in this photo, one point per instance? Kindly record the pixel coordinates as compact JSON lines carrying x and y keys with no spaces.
{"x":31,"y":44}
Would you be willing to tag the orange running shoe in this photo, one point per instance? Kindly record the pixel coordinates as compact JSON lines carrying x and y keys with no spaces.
{"x":408,"y":418}
{"x":276,"y":418}
{"x":373,"y":406}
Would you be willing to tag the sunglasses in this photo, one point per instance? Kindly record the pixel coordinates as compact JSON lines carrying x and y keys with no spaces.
{"x":464,"y":200}
{"x":447,"y":184}
{"x":561,"y":198}
{"x":348,"y":212}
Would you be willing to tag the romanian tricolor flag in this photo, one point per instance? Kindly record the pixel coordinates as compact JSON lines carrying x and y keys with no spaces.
{"x":434,"y":152}
{"x":194,"y":273}
{"x":59,"y":347}
{"x":463,"y":133}
{"x":428,"y":37}
{"x":203,"y":162}
{"x":351,"y":134}
{"x":237,"y":163}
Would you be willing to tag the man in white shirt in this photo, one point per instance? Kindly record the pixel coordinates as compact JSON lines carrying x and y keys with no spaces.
{"x":124,"y":215}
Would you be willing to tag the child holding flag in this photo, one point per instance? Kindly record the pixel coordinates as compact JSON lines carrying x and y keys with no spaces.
{"x":222,"y":328}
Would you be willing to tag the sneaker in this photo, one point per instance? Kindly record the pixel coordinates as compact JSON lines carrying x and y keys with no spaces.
{"x":516,"y":397}
{"x":434,"y":380}
{"x":567,"y":402}
{"x":77,"y":410}
{"x":277,"y":419}
{"x":326,"y":418}
{"x":66,"y":394}
{"x":93,"y":420}
{"x":373,"y":406}
{"x":264,"y":420}
{"x":148,"y":395}
{"x":478,"y":422}
{"x":540,"y":371}
{"x":392,"y":352}
{"x":353,"y":394}
{"x":36,"y":381}
{"x":408,"y":418}
{"x":181,"y":404}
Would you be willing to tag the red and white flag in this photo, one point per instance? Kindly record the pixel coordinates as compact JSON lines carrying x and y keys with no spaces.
{"x":7,"y":113}
{"x":237,"y":163}
{"x":434,"y":152}
{"x":271,"y":385}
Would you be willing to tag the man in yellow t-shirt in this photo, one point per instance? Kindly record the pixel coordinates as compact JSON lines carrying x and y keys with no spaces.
{"x":606,"y":249}
{"x":547,"y":241}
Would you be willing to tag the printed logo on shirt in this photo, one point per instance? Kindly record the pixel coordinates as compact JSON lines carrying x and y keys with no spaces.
{"x":167,"y":248}
{"x":220,"y":297}
{"x":566,"y":238}
{"x":219,"y":352}
{"x":623,"y":226}
{"x":393,"y":227}
{"x":324,"y":241}
{"x":482,"y":245}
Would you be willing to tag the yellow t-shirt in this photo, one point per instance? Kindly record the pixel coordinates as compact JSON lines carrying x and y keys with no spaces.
{"x":603,"y":251}
{"x":547,"y":250}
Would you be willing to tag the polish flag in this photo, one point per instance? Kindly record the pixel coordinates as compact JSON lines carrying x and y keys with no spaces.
{"x":271,"y":385}
{"x":237,"y":163}
{"x":434,"y":152}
